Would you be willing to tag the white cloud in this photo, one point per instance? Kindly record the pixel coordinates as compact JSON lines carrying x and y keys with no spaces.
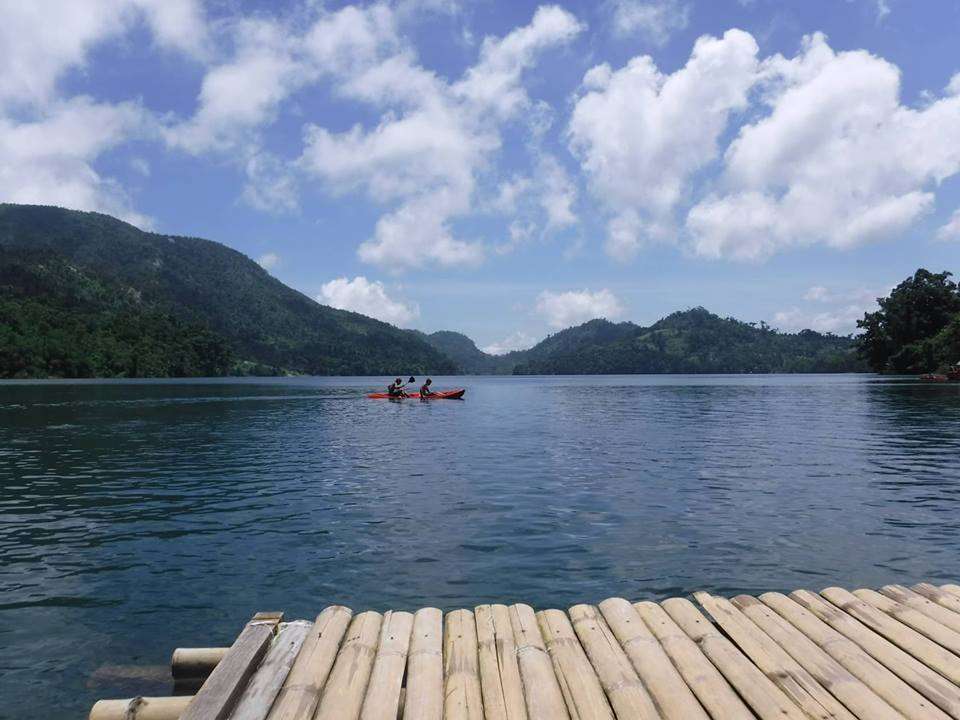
{"x":40,"y":41}
{"x":509,"y":193}
{"x":268,"y":261}
{"x":240,"y":96}
{"x":515,"y":341}
{"x":654,"y":20}
{"x":840,"y":321}
{"x":558,"y":193}
{"x":431,"y":141}
{"x":368,"y":298}
{"x":883,"y":9}
{"x":838,"y":160}
{"x":49,"y":144}
{"x":830,"y":310}
{"x":641,"y":135}
{"x":50,"y":160}
{"x":519,"y":232}
{"x":950,"y":230}
{"x":564,"y":309}
{"x":178,"y":24}
{"x":494,"y":82}
{"x":271,"y":185}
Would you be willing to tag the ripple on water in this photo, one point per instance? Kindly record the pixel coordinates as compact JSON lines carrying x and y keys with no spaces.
{"x":138,"y":517}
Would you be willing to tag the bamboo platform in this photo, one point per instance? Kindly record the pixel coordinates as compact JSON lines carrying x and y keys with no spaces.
{"x":871,"y":655}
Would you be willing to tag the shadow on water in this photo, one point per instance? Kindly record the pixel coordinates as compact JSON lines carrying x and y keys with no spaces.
{"x":136,"y":517}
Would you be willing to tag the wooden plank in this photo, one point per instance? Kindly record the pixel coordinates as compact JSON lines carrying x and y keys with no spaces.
{"x":757,"y":690}
{"x":855,"y":696}
{"x":300,"y":694}
{"x":424,"y":696}
{"x":219,"y":693}
{"x":261,"y":691}
{"x":383,"y":689}
{"x":945,"y":598}
{"x":925,"y":681}
{"x":949,"y":587}
{"x":924,"y":650}
{"x":541,"y":690}
{"x":578,"y":681}
{"x":499,"y":672}
{"x":776,"y":663}
{"x":673,"y":698}
{"x":626,"y":692}
{"x":922,"y":623}
{"x":700,"y":675}
{"x":927,"y":606}
{"x":855,"y":659}
{"x":463,"y":699}
{"x":343,"y":694}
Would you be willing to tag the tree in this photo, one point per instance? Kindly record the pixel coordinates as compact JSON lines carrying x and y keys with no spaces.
{"x":895,"y":337}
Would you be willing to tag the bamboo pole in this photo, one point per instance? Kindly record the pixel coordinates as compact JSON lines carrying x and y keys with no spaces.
{"x":191,"y":663}
{"x":140,"y":708}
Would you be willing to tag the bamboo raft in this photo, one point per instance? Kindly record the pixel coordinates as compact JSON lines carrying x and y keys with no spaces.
{"x":884,"y":655}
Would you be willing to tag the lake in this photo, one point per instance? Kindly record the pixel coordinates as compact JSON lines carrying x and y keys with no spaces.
{"x":136,"y":517}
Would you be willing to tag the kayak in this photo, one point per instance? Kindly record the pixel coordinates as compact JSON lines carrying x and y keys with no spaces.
{"x":443,"y":395}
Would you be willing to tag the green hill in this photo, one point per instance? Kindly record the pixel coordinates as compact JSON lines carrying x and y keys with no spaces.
{"x":468,"y":357}
{"x":86,"y":295}
{"x":693,"y":341}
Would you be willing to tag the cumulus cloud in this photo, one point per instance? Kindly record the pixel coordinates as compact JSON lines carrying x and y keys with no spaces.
{"x":50,"y":160}
{"x":367,"y":298}
{"x":564,"y":309}
{"x":241,"y":95}
{"x":39,"y":42}
{"x":49,"y":144}
{"x":641,"y":135}
{"x":515,"y":341}
{"x":950,"y":230}
{"x":558,"y":193}
{"x":837,"y":160}
{"x":829,"y":310}
{"x":431,"y":141}
{"x":654,"y":20}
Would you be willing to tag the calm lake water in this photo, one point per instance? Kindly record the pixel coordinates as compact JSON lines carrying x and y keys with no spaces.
{"x":136,"y":517}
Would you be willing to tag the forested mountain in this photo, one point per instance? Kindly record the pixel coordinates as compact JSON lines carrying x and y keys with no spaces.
{"x":83,"y":294}
{"x":468,"y":357}
{"x":693,"y":341}
{"x":86,"y":295}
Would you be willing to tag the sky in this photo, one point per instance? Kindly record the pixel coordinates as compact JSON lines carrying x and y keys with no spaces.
{"x":506,"y":168}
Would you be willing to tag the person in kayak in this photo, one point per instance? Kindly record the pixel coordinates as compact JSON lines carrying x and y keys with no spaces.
{"x":425,"y":389}
{"x":395,"y":389}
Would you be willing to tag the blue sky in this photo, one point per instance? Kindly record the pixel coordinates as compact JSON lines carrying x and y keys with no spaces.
{"x":509,"y":168}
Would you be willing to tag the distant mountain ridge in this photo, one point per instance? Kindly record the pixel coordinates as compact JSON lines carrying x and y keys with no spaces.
{"x":85,"y":294}
{"x":690,"y":341}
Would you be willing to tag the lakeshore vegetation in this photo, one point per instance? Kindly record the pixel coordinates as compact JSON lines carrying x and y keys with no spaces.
{"x":86,"y":295}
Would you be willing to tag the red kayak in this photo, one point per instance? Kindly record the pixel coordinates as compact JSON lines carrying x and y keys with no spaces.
{"x":444,"y":395}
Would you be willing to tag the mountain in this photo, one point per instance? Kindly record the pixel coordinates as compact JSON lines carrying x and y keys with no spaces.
{"x":84,"y":295}
{"x":468,"y":357}
{"x":692,"y":341}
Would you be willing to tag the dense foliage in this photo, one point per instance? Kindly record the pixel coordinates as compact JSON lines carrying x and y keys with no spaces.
{"x":155,"y":295}
{"x":694,"y":341}
{"x":57,"y":321}
{"x":916,"y":328}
